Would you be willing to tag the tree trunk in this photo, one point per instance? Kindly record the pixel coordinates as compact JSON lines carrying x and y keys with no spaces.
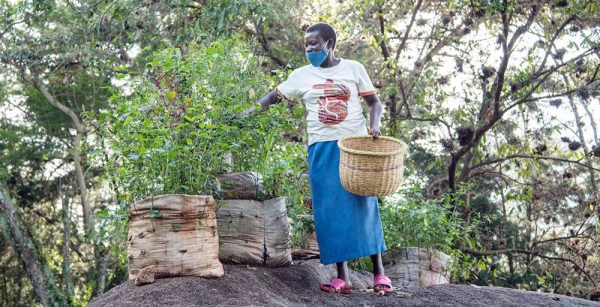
{"x":66,"y":252}
{"x":24,"y":245}
{"x":584,"y":144}
{"x":81,"y":131}
{"x":99,"y":271}
{"x":87,"y":210}
{"x":4,"y":286}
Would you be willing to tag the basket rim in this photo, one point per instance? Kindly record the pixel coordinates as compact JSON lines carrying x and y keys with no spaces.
{"x":402,"y":149}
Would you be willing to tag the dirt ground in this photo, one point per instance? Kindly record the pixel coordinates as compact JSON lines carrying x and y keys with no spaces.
{"x":298,"y":285}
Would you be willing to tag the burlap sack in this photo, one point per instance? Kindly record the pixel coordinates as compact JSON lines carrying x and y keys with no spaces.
{"x":416,"y":267}
{"x":254,"y":232}
{"x":245,"y":185}
{"x":175,"y":233}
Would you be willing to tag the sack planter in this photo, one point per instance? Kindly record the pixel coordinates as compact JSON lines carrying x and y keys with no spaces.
{"x":417,"y":267}
{"x":371,"y":167}
{"x":175,"y":233}
{"x":254,"y":232}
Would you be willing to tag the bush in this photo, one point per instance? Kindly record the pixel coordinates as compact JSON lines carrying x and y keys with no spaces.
{"x":413,"y":221}
{"x":170,"y":134}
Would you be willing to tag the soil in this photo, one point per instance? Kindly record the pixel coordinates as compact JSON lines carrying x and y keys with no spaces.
{"x":298,"y":285}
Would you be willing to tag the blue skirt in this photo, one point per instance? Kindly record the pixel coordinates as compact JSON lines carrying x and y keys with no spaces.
{"x":347,"y":225}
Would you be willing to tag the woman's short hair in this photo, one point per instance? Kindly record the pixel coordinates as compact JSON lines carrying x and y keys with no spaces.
{"x":326,"y":31}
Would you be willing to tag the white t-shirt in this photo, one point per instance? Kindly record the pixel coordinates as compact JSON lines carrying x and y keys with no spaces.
{"x":332,"y":98}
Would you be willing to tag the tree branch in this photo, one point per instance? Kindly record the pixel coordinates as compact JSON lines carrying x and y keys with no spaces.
{"x":577,"y":267}
{"x":264,"y":43}
{"x":9,"y":26}
{"x":521,"y":156}
{"x":81,"y":132}
{"x":408,"y":28}
{"x":551,"y":240}
{"x":381,"y":39}
{"x":553,"y":39}
{"x":507,"y":51}
{"x":528,"y":252}
{"x":499,"y":251}
{"x":503,"y":176}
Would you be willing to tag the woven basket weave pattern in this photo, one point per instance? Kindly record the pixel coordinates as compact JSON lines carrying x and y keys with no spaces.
{"x":371,"y":167}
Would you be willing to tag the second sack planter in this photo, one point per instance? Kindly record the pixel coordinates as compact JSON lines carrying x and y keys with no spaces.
{"x":254,"y":232}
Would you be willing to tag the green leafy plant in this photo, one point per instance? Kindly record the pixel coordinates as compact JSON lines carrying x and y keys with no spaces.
{"x":413,"y":221}
{"x":409,"y":219}
{"x":170,"y":134}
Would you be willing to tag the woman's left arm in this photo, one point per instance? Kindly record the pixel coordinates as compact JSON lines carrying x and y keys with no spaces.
{"x":374,"y":105}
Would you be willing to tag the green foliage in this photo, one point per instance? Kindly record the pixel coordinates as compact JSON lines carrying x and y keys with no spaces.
{"x":112,"y":227}
{"x":414,"y":221}
{"x":171,"y":133}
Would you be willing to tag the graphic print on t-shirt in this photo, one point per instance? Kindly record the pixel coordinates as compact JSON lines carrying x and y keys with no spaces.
{"x":333,"y":104}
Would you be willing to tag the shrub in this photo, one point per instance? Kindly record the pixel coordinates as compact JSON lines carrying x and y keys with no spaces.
{"x":170,"y":134}
{"x":413,"y":221}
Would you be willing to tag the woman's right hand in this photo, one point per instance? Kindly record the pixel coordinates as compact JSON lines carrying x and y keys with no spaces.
{"x":242,"y":115}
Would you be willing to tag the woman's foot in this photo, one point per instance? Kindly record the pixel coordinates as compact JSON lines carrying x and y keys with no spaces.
{"x":336,"y":286}
{"x":382,"y":283}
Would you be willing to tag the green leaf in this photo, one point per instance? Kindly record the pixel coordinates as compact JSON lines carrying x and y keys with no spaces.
{"x":541,"y":279}
{"x":127,"y":121}
{"x":171,"y":95}
{"x":221,"y":17}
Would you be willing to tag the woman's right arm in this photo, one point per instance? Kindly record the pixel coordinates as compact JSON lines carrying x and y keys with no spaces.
{"x":267,"y":100}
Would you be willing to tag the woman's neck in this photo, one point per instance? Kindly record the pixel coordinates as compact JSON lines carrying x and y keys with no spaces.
{"x":330,"y":62}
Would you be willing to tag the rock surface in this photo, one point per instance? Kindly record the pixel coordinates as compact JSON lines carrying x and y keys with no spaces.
{"x":298,"y":285}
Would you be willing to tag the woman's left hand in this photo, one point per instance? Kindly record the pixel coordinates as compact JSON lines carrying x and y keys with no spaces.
{"x":374,"y":132}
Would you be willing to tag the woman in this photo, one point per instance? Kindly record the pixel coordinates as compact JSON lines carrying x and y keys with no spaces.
{"x":347,"y":225}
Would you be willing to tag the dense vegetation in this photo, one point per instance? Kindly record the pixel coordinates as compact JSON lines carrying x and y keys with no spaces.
{"x":498,"y":100}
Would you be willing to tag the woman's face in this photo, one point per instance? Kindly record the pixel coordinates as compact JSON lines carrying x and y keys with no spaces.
{"x":313,"y":41}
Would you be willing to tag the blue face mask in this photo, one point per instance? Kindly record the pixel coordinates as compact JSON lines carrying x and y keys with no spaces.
{"x":316,"y":58}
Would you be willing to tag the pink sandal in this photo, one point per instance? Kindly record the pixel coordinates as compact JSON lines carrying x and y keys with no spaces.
{"x":382,"y":283}
{"x":336,"y":286}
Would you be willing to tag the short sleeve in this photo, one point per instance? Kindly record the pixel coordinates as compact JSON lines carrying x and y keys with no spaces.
{"x":288,"y":89}
{"x":365,"y":86}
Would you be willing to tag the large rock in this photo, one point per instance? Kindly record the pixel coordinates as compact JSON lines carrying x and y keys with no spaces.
{"x":298,"y":286}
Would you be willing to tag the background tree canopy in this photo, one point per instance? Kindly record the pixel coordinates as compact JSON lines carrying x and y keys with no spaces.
{"x":498,"y":100}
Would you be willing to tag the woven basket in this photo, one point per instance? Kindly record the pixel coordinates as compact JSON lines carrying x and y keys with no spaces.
{"x":371,"y":167}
